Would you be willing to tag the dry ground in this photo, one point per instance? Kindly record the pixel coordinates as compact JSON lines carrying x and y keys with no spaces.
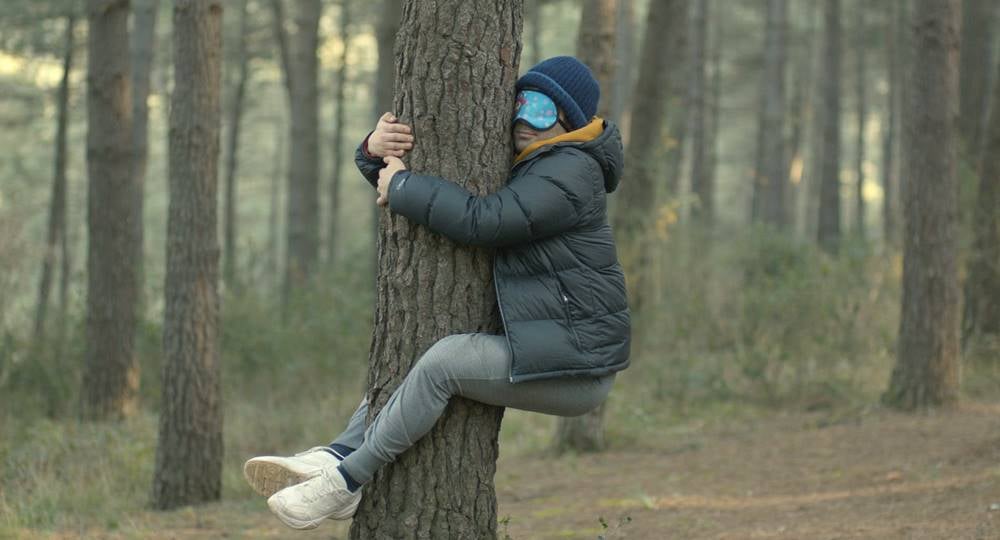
{"x":866,"y":474}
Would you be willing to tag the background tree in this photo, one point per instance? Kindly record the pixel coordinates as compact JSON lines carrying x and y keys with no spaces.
{"x":111,"y":375}
{"x":596,"y":47}
{"x":236,"y":107}
{"x":55,"y":244}
{"x":828,"y":232}
{"x":927,"y":363}
{"x":189,"y":449}
{"x":860,"y":84}
{"x":464,"y":125}
{"x":635,"y":205}
{"x":704,"y":211}
{"x":143,"y":45}
{"x":771,"y":173}
{"x":301,"y":71}
{"x":975,"y":68}
{"x":982,"y":286}
{"x":890,"y":121}
{"x":339,"y":111}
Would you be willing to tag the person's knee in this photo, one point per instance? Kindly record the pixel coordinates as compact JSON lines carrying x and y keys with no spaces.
{"x":439,"y":360}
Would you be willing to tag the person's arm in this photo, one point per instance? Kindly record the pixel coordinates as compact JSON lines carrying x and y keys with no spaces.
{"x":550,"y":199}
{"x":367,"y":163}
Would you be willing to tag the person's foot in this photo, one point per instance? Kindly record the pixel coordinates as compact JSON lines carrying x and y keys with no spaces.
{"x":269,"y":474}
{"x":306,"y":505}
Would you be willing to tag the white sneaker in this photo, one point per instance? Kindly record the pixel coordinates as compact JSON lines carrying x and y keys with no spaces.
{"x":269,"y":474}
{"x":306,"y":505}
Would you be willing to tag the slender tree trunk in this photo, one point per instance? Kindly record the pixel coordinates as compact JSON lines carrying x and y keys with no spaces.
{"x":859,"y":81}
{"x":712,"y":129}
{"x":888,"y":140}
{"x":595,"y":46}
{"x":798,"y":117}
{"x":704,"y":211}
{"x":636,"y":200}
{"x":273,"y":220}
{"x":927,"y":365}
{"x":301,"y":66}
{"x":338,"y":130}
{"x":111,"y":373}
{"x":415,"y":265}
{"x":828,"y":232}
{"x":57,"y":210}
{"x":982,"y":286}
{"x":624,"y":57}
{"x":232,"y":150}
{"x":772,"y":171}
{"x":534,"y":8}
{"x":189,"y":450}
{"x":143,"y":47}
{"x":976,"y":54}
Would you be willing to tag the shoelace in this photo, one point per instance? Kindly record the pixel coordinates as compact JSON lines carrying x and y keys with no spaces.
{"x":329,"y":487}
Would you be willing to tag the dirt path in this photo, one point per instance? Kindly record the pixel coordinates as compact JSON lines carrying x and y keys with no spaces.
{"x":873,"y":475}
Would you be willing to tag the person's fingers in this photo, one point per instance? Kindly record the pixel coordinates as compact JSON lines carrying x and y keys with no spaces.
{"x":399,"y":137}
{"x":396,"y":153}
{"x":387,"y":117}
{"x":398,"y":146}
{"x":397,"y":128}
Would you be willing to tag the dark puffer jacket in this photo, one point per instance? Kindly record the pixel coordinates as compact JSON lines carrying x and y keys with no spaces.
{"x":560,"y":288}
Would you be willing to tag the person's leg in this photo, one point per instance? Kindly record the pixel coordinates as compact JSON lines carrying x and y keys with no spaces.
{"x":354,"y":434}
{"x":475,"y":366}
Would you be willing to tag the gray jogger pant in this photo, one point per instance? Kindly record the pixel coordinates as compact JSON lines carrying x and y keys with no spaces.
{"x":475,"y":366}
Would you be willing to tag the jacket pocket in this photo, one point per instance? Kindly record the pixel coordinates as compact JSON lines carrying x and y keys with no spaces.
{"x":564,"y":299}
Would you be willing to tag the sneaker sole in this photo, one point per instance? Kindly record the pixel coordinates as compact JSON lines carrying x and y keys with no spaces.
{"x":268,"y":478}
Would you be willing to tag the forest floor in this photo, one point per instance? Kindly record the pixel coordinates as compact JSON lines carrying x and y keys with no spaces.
{"x":869,"y":473}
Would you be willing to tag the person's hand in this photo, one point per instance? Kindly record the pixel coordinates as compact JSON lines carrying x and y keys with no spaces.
{"x":392,"y":166}
{"x":390,"y":138}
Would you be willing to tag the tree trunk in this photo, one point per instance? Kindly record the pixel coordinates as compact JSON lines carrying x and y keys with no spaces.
{"x":232,"y":150}
{"x":772,"y":172}
{"x":712,"y":129}
{"x":274,"y":218}
{"x":704,"y":211}
{"x":595,"y":46}
{"x":636,"y":200}
{"x":142,"y":49}
{"x":189,"y":450}
{"x":859,"y":81}
{"x":828,"y":232}
{"x":927,"y":364}
{"x":385,"y":77}
{"x":888,"y":140}
{"x":111,"y":373}
{"x":417,"y":269}
{"x":624,"y":55}
{"x":338,"y":129}
{"x":57,"y":211}
{"x":300,"y":65}
{"x":976,"y":66}
{"x":982,"y":286}
{"x":534,"y":8}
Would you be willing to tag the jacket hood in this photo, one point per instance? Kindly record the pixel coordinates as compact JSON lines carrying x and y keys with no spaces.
{"x":600,"y":138}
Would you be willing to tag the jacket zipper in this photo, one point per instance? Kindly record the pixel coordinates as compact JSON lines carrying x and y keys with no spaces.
{"x":506,"y":335}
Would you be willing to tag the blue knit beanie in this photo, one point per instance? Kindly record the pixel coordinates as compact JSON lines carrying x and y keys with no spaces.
{"x":570,"y":83}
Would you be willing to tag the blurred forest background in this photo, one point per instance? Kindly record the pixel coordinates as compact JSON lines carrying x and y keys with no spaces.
{"x":783,"y":165}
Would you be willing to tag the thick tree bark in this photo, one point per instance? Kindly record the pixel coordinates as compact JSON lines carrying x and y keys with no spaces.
{"x":636,"y":196}
{"x":772,"y":173}
{"x":56,"y":238}
{"x":982,"y":286}
{"x":111,"y":373}
{"x":455,"y":71}
{"x":232,"y":150}
{"x":595,"y":46}
{"x":189,"y":450}
{"x":704,"y":211}
{"x":301,"y":68}
{"x":859,"y":82}
{"x":338,"y":129}
{"x":927,"y":364}
{"x":828,"y":232}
